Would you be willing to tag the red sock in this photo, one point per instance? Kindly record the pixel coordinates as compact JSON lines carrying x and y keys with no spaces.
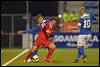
{"x":50,"y":52}
{"x":29,"y":54}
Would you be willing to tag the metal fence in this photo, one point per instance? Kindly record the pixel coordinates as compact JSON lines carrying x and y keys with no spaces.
{"x":10,"y":23}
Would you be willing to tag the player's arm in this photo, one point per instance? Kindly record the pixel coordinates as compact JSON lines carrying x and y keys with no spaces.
{"x":30,"y":30}
{"x":50,"y":33}
{"x":53,"y":33}
{"x":33,"y":30}
{"x":25,"y":31}
{"x":93,"y":17}
{"x":43,"y":25}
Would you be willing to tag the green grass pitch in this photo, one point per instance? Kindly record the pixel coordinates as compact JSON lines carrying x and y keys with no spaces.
{"x":62,"y":57}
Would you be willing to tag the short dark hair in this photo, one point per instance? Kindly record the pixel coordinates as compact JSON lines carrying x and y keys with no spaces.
{"x":53,"y":18}
{"x":83,"y":8}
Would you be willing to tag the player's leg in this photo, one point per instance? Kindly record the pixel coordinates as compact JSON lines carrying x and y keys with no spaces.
{"x":83,"y":44}
{"x":85,"y":58}
{"x":51,"y":49}
{"x":30,"y":53}
{"x":83,"y":53}
{"x":34,"y":49}
{"x":78,"y":52}
{"x":37,"y":43}
{"x":87,"y":39}
{"x":80,"y":44}
{"x":34,"y":53}
{"x":78,"y":56}
{"x":50,"y":52}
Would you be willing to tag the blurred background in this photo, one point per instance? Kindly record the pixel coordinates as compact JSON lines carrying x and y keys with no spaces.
{"x":18,"y":15}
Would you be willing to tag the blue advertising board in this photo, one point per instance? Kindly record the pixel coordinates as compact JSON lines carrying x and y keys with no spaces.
{"x":69,"y":40}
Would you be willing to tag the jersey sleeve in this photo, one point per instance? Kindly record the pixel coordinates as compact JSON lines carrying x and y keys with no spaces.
{"x":34,"y":29}
{"x":53,"y":33}
{"x":93,"y":17}
{"x":79,"y":23}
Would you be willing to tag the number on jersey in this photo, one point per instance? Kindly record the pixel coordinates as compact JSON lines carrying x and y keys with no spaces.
{"x":86,"y":24}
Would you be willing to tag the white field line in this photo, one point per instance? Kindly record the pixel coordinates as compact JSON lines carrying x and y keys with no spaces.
{"x":15,"y":57}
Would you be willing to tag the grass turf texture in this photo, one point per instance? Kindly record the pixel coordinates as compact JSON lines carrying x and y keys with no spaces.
{"x":62,"y":57}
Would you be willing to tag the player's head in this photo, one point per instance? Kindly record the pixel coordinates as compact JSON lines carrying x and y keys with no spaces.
{"x":39,"y":18}
{"x":53,"y":21}
{"x":82,"y":10}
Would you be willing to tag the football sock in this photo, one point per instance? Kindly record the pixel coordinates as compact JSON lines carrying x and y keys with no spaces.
{"x":50,"y":52}
{"x":79,"y":54}
{"x":29,"y":54}
{"x":34,"y":53}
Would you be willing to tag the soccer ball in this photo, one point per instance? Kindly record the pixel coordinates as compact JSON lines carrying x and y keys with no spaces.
{"x":35,"y":58}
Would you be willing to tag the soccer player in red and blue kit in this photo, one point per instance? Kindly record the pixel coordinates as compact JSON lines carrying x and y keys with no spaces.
{"x":39,"y":20}
{"x":85,"y":33}
{"x":33,"y":30}
{"x":44,"y":40}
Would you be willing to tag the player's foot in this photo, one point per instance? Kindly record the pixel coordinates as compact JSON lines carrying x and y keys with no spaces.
{"x":84,"y":59}
{"x":27,"y":60}
{"x":48,"y":59}
{"x":76,"y":61}
{"x":24,"y":60}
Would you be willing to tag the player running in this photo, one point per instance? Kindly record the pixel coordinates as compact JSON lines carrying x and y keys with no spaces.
{"x":85,"y":33}
{"x":40,"y":24}
{"x":44,"y":39}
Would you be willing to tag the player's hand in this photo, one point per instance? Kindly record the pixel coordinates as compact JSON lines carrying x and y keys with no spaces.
{"x":60,"y":25}
{"x":20,"y":32}
{"x":43,"y":25}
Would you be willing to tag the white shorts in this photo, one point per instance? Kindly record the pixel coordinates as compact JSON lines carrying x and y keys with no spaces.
{"x":82,"y":40}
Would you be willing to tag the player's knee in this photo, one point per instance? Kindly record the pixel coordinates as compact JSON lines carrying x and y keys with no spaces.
{"x":53,"y":46}
{"x":34,"y":47}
